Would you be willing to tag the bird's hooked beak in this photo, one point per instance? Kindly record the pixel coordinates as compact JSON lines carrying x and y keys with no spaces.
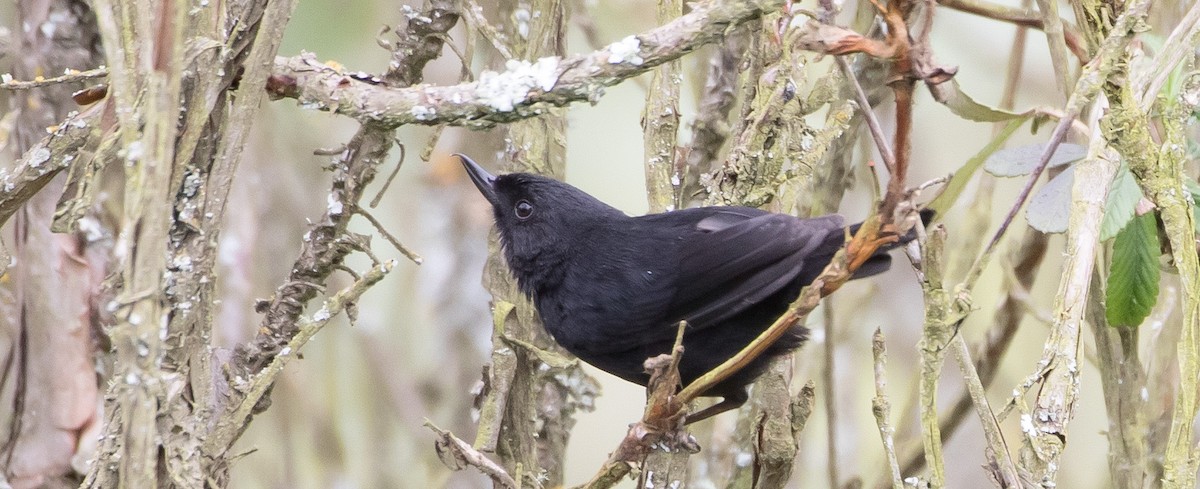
{"x":484,"y":181}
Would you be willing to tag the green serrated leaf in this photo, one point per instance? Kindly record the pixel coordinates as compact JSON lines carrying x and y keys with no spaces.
{"x":1022,"y":160}
{"x":1133,"y":274}
{"x":1123,"y":196}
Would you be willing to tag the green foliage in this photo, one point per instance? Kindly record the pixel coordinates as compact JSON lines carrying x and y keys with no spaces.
{"x":1123,"y":197}
{"x":1134,"y":272}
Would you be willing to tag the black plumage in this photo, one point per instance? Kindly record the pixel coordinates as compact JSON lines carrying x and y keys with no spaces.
{"x":611,"y":289}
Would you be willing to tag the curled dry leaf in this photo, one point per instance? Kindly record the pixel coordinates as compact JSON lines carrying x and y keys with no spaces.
{"x":828,"y":39}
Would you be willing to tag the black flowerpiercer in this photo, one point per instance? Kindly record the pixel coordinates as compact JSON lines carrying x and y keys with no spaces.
{"x":611,"y":288}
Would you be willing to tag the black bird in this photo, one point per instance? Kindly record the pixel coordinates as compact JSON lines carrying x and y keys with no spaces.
{"x":611,"y":288}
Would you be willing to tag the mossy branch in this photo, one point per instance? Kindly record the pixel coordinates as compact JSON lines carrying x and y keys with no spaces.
{"x":1159,"y":171}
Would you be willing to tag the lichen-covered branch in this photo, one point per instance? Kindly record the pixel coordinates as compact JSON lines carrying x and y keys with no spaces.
{"x":1046,"y":428}
{"x":524,"y":90}
{"x":44,"y":160}
{"x":254,"y":388}
{"x":660,"y":125}
{"x":881,"y":408}
{"x":1159,"y":171}
{"x":327,"y":241}
{"x":145,"y":92}
{"x":711,"y":127}
{"x":941,"y":319}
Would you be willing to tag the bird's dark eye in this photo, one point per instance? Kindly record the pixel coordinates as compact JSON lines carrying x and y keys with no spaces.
{"x":524,"y":209}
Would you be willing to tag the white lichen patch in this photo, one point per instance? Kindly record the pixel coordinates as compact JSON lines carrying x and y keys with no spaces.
{"x":191,"y":183}
{"x":182,"y":263}
{"x":423,"y":113}
{"x":521,"y":17}
{"x":38,"y":157}
{"x":135,"y":152}
{"x":504,"y":91}
{"x":91,"y":229}
{"x":322,"y":315}
{"x":1027,"y":426}
{"x":335,"y":206}
{"x":626,"y":50}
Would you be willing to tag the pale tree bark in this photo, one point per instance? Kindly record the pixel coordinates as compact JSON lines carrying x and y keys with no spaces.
{"x":51,"y":302}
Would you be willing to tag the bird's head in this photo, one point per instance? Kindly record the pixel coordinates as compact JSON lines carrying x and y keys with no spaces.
{"x":538,"y":218}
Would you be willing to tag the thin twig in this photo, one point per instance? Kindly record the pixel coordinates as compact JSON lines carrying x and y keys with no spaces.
{"x":885,"y":150}
{"x":410,"y":254}
{"x":71,"y":76}
{"x":392,"y":176}
{"x":881,"y":408}
{"x":474,"y":15}
{"x":458,"y":454}
{"x":258,"y":385}
{"x":829,"y":396}
{"x":1092,"y":78}
{"x":997,"y":452}
{"x":1024,"y":17}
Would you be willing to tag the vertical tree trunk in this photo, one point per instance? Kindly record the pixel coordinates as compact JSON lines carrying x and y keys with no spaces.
{"x":49,"y":301}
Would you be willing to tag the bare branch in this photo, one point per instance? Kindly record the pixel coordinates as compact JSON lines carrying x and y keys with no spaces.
{"x":44,"y":160}
{"x":1093,"y":77}
{"x":881,"y":407}
{"x":458,"y":454}
{"x":524,"y":90}
{"x":70,"y":76}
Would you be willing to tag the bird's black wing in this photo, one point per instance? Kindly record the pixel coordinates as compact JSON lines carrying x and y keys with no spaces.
{"x":736,"y":257}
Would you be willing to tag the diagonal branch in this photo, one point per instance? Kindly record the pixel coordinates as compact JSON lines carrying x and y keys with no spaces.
{"x":524,"y":90}
{"x":44,"y":160}
{"x":1091,"y":80}
{"x":327,"y":242}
